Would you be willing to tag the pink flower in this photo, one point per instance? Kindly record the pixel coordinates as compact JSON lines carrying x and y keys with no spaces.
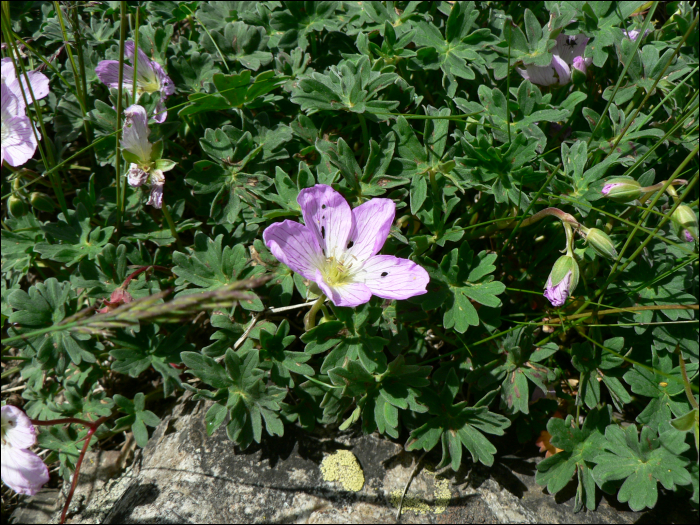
{"x":634,"y":34}
{"x":566,"y":54}
{"x":18,"y":141}
{"x":38,"y":81}
{"x":337,"y":249}
{"x":22,"y":470}
{"x":150,"y":77}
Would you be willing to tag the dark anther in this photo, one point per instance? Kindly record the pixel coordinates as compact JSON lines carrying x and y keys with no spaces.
{"x":323,"y":206}
{"x":384,"y":274}
{"x":323,"y":232}
{"x":350,"y":244}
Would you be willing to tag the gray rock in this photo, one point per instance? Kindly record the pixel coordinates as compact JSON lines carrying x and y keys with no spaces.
{"x":183,"y":476}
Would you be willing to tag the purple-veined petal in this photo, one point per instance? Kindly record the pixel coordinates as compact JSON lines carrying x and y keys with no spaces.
{"x":135,"y":133}
{"x":371,"y":225}
{"x":562,"y":69}
{"x":350,"y":294}
{"x":570,"y":46}
{"x":10,"y":104}
{"x":293,"y":244}
{"x":23,"y":471}
{"x":160,"y":113}
{"x":108,"y":73}
{"x":558,"y":294}
{"x":38,"y":81}
{"x":18,"y":141}
{"x":136,"y":176}
{"x":540,"y":75}
{"x":17,"y":429}
{"x":328,"y":216}
{"x":155,"y":199}
{"x":167,"y":87}
{"x":147,"y":78}
{"x":391,"y":277}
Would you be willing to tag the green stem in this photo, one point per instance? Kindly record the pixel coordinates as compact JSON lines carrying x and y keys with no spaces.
{"x":365,"y":137}
{"x":136,"y":54}
{"x":310,"y":317}
{"x":122,"y":38}
{"x":83,"y":78}
{"x":171,"y":224}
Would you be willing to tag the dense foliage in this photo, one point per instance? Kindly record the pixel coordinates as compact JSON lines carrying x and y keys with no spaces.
{"x":502,"y":134}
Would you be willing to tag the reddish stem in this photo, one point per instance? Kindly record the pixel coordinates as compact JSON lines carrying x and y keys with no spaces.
{"x":91,"y":430}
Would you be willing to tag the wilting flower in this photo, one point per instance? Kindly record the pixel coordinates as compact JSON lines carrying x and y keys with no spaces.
{"x":117,"y":298}
{"x":562,"y":280}
{"x":155,"y":199}
{"x":150,"y":77}
{"x":337,"y":249}
{"x":566,"y":54}
{"x":38,"y":81}
{"x":22,"y":470}
{"x":18,"y":141}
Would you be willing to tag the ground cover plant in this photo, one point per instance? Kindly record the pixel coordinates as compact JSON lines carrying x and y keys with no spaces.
{"x":443,"y":222}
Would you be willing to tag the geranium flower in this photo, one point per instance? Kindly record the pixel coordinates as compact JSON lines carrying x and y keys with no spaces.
{"x":150,"y":78}
{"x":566,"y":54}
{"x":135,"y":141}
{"x":18,"y":141}
{"x":337,"y":248}
{"x":22,"y":470}
{"x":38,"y":81}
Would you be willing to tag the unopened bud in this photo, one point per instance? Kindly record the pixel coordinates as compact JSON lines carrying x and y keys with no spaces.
{"x":41,"y":201}
{"x":622,"y":189}
{"x":685,"y":223}
{"x":601,"y":243}
{"x":562,"y":280}
{"x":17,"y":206}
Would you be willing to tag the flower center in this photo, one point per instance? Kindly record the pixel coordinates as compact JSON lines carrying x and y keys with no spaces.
{"x":337,"y":272}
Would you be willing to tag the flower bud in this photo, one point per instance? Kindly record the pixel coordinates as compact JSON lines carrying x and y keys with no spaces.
{"x":41,"y":201}
{"x":17,"y":206}
{"x":685,"y":223}
{"x":562,"y":280}
{"x":622,"y":189}
{"x":601,"y":243}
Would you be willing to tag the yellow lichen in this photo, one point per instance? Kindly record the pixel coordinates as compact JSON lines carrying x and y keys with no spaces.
{"x":441,"y":497}
{"x":343,"y":467}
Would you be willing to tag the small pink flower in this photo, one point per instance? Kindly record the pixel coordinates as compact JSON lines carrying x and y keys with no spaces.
{"x":22,"y":470}
{"x":150,"y":77}
{"x":337,"y":248}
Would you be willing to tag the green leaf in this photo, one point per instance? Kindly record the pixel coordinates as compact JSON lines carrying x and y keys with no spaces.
{"x":72,"y":238}
{"x":580,"y":449}
{"x":641,"y":463}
